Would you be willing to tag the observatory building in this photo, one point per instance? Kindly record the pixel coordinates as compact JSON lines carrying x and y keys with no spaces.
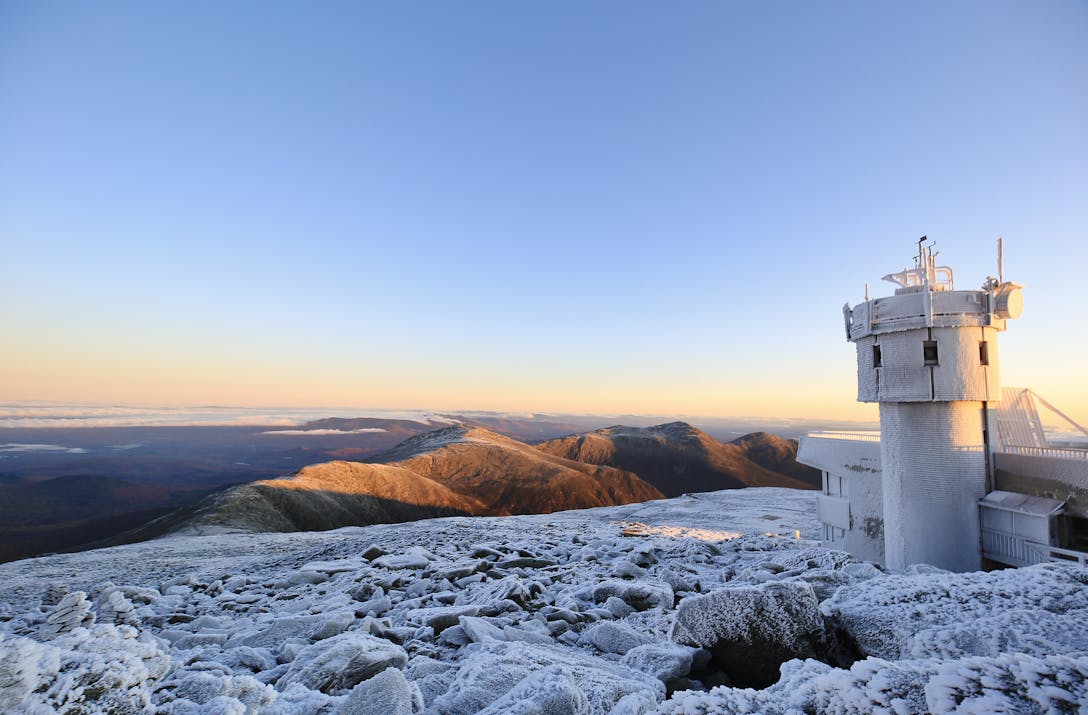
{"x":963,"y":474}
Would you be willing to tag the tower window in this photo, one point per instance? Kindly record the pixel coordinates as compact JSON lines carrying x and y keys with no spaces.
{"x":877,"y":362}
{"x":929,"y":352}
{"x":984,"y":353}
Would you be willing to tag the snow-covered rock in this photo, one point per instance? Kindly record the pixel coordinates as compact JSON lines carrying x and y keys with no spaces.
{"x":664,"y":661}
{"x":341,"y":662}
{"x":103,"y":668}
{"x":1028,"y":610}
{"x":551,"y":691}
{"x":751,"y":630}
{"x":616,"y":638}
{"x":1011,"y":684}
{"x":387,"y":693}
{"x":509,"y":615}
{"x":73,"y":611}
{"x":494,"y":669}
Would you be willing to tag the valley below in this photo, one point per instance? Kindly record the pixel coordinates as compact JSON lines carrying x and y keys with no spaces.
{"x":64,"y":489}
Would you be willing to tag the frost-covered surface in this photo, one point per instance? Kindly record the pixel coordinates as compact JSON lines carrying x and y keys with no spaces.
{"x":1035,"y":611}
{"x":559,"y":613}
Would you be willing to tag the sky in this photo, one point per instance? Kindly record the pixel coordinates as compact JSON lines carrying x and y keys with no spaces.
{"x":538,"y":206}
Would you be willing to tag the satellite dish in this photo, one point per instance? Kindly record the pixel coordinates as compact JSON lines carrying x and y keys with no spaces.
{"x":1009,"y":301}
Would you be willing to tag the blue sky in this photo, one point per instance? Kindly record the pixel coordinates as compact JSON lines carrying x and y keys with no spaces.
{"x":640,"y":207}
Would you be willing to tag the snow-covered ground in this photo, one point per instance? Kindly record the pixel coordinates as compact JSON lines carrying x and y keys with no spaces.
{"x":643,"y":608}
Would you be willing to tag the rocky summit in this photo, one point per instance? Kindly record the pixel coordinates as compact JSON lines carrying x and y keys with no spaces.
{"x":708,"y":603}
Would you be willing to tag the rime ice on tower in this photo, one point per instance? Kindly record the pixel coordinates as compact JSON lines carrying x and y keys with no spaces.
{"x":928,"y":355}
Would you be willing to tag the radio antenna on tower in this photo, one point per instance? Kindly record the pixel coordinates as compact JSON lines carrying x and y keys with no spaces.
{"x":1000,"y":261}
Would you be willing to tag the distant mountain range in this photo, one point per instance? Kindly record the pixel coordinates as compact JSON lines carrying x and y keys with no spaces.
{"x":102,"y":486}
{"x":458,"y":470}
{"x":677,"y":458}
{"x":469,"y":470}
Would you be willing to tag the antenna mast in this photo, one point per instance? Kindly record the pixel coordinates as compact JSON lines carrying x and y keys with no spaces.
{"x":1000,"y":261}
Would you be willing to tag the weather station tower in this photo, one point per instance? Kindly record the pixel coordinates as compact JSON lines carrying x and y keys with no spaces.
{"x":928,"y":356}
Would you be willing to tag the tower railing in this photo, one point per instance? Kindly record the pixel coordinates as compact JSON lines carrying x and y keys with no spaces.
{"x":854,"y":436}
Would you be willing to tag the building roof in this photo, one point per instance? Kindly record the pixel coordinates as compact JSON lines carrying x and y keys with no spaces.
{"x":1023,"y":503}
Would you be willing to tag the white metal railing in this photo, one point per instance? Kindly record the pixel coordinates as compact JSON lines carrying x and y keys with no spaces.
{"x":1018,"y":551}
{"x":858,"y":436}
{"x":1057,"y":452}
{"x":1057,"y":554}
{"x":1011,"y":549}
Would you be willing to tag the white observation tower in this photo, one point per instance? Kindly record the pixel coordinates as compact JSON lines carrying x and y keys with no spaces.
{"x":928,"y":355}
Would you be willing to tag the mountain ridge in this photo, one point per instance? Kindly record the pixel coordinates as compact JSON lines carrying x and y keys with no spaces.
{"x":457,"y":470}
{"x":678,"y":458}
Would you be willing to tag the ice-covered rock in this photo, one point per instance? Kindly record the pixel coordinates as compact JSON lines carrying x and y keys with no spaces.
{"x":305,"y":627}
{"x":551,"y":691}
{"x":101,"y":668}
{"x":526,"y":635}
{"x":387,"y":693}
{"x":73,"y":611}
{"x":508,"y":588}
{"x":1035,"y":632}
{"x":414,"y":558}
{"x":341,"y":662}
{"x":478,"y":630}
{"x":54,"y":594}
{"x":611,"y":637}
{"x":898,"y":616}
{"x":664,"y":661}
{"x":639,"y":595}
{"x":114,"y":608}
{"x":535,"y":591}
{"x":493,"y":669}
{"x":751,"y":630}
{"x":196,"y":691}
{"x":441,"y":617}
{"x":432,"y":676}
{"x":1013,"y":684}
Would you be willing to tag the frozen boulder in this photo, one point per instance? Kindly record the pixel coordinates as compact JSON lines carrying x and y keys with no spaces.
{"x":639,"y":595}
{"x":551,"y":691}
{"x":508,"y":588}
{"x":664,"y":661}
{"x":305,"y":627}
{"x":493,"y":669}
{"x":752,"y":630}
{"x":478,"y":629}
{"x":441,"y":617}
{"x":387,"y":693}
{"x":609,"y":637}
{"x":824,"y":582}
{"x":901,"y":616}
{"x":204,"y":690}
{"x":342,"y":662}
{"x":433,"y":677}
{"x":1037,"y":633}
{"x":1007,"y":683}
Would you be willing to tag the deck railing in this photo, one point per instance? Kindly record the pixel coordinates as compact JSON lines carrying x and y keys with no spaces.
{"x":1017,"y":551}
{"x":1057,"y":554}
{"x":857,"y":436}
{"x":1055,"y":452}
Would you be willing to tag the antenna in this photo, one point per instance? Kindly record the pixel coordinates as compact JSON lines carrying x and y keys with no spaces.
{"x":866,"y":292}
{"x":1000,"y":260}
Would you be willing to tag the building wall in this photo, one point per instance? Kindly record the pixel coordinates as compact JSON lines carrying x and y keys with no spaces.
{"x":851,"y":505}
{"x":1045,"y":476}
{"x":904,"y":376}
{"x":933,"y":463}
